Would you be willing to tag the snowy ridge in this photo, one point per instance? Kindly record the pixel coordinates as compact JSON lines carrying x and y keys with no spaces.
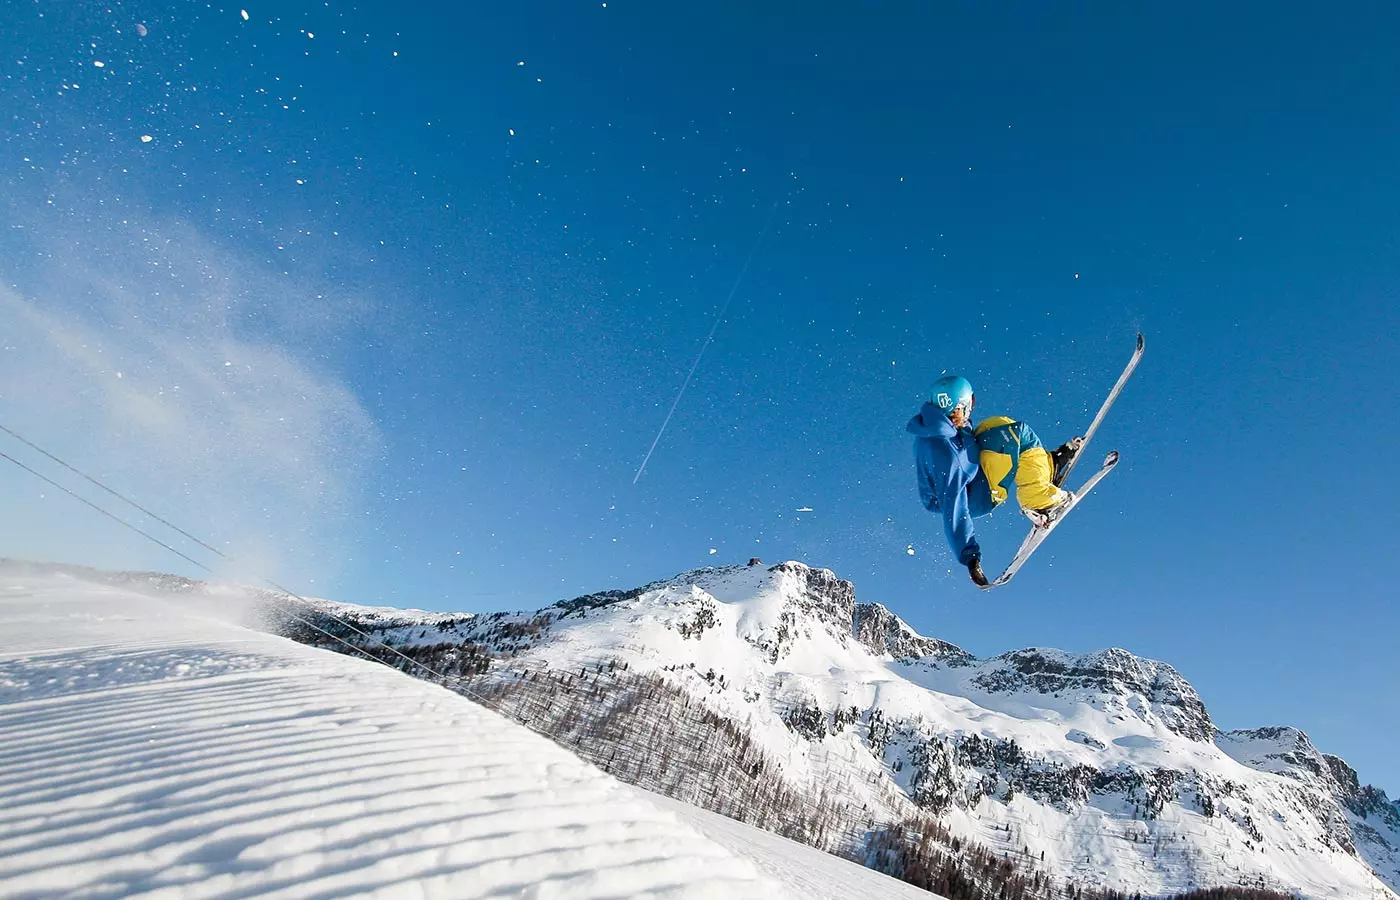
{"x":1281,"y":750}
{"x":1111,"y":673}
{"x":885,"y":633}
{"x":1369,"y":822}
{"x":152,"y":748}
{"x":1102,"y":767}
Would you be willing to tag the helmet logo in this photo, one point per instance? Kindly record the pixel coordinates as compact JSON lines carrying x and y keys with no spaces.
{"x":944,"y":401}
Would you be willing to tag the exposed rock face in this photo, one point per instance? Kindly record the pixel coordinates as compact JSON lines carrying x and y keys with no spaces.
{"x":820,"y":596}
{"x":1114,"y":672}
{"x":1364,"y":800}
{"x":1284,"y":750}
{"x":603,"y":599}
{"x":1281,"y":749}
{"x":884,"y":632}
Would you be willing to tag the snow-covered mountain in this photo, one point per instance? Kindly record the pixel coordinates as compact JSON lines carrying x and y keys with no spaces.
{"x":771,"y":694}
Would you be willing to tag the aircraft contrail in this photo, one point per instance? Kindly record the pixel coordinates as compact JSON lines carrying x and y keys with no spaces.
{"x":708,"y":338}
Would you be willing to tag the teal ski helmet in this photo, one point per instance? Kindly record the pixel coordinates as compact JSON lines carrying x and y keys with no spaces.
{"x":952,"y":391}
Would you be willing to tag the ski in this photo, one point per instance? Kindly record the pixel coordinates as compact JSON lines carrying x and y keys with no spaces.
{"x":1107,"y":404}
{"x":1039,"y":533}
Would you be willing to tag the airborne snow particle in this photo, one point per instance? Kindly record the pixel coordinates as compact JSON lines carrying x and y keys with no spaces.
{"x":512,"y":131}
{"x":804,"y":509}
{"x":146,"y":138}
{"x":521,"y":63}
{"x":99,"y":63}
{"x":713,"y":551}
{"x":140,"y":29}
{"x":909,"y":549}
{"x":244,"y":14}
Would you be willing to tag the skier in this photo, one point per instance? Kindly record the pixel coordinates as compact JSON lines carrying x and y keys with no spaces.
{"x":966,"y":472}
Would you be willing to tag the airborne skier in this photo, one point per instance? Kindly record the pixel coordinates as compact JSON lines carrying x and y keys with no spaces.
{"x":953,"y":483}
{"x":967,"y":472}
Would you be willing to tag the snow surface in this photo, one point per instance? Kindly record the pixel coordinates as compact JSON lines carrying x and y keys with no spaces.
{"x":154,"y":748}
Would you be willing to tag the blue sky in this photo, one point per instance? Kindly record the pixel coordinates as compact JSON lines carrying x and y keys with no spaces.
{"x":396,"y":317}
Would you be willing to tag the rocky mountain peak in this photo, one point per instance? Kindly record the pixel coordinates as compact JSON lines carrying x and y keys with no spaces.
{"x":881,"y":631}
{"x":818,"y":594}
{"x":1284,"y":750}
{"x":1342,"y":773}
{"x":1115,"y":672}
{"x":1364,"y":800}
{"x":1281,"y":749}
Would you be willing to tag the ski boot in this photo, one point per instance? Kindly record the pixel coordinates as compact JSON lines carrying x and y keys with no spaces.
{"x":1041,"y":518}
{"x":1062,"y":457}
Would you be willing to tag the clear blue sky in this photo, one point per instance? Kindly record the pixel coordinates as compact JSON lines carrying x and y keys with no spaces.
{"x":462,"y":294}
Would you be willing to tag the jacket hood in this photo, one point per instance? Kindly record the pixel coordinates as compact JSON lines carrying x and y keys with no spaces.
{"x":931,"y":422}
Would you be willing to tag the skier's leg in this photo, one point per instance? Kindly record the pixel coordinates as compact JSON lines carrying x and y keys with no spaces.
{"x":998,"y":452}
{"x":979,"y":496}
{"x":1035,"y":488}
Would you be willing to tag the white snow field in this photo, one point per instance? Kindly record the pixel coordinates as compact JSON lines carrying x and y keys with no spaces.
{"x":150,"y":746}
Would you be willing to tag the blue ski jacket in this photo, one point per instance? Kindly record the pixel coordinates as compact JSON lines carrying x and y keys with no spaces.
{"x":951,"y":482}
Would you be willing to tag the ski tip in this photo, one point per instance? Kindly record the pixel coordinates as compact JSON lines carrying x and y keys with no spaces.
{"x":1141,"y":342}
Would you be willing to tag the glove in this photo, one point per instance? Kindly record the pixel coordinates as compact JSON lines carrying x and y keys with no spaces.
{"x":974,"y":568}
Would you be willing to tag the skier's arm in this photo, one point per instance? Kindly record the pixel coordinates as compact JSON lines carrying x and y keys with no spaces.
{"x":951,"y":491}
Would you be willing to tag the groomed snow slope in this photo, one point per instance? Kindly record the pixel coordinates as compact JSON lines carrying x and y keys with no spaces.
{"x":152,"y":749}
